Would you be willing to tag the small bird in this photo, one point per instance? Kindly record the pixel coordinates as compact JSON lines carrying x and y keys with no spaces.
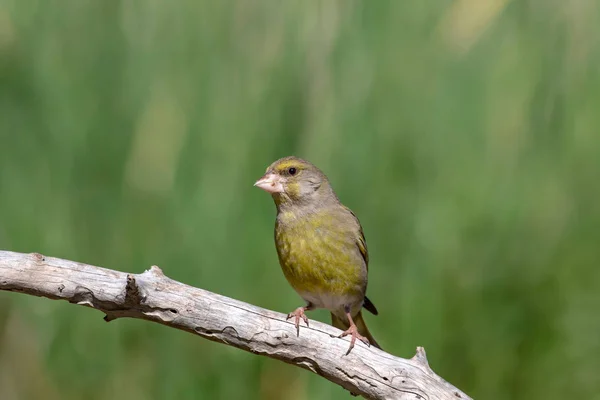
{"x":321,"y":247}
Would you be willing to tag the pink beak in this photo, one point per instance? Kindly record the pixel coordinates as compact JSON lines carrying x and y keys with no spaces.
{"x":270,"y":183}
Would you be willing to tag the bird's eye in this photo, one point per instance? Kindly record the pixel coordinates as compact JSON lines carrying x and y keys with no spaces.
{"x":292,"y":171}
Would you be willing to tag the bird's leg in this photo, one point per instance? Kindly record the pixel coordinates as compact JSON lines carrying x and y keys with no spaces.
{"x":299,"y":313}
{"x":353,"y":331}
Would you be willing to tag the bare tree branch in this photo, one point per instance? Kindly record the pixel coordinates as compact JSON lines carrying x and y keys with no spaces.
{"x":152,"y":296}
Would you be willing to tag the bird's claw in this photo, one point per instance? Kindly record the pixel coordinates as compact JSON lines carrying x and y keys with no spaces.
{"x":297,"y":314}
{"x":353,"y":331}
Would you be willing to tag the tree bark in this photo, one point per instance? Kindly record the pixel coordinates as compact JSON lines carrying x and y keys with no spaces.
{"x":152,"y":296}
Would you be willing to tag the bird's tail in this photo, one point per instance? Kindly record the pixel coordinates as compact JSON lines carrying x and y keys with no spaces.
{"x":343,"y":324}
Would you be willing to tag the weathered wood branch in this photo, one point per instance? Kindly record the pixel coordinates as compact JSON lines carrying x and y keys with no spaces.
{"x":152,"y":296}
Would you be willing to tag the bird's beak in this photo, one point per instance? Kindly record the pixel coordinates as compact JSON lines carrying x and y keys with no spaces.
{"x":270,"y":183}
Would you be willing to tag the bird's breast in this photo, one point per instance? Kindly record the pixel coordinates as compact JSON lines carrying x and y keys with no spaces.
{"x":320,"y":262}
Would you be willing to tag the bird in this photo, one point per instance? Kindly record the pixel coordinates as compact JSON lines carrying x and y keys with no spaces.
{"x":321,"y":247}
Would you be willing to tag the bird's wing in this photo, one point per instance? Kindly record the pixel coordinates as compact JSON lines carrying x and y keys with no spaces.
{"x":362,"y":246}
{"x":360,"y":239}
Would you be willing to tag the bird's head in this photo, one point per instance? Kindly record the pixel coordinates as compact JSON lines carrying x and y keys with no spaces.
{"x":293,"y":181}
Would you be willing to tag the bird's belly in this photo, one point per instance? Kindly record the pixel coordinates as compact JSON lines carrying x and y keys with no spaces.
{"x":334,"y":302}
{"x":322,"y":273}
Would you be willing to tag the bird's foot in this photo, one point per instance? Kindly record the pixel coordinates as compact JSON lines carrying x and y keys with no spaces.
{"x":298,"y":313}
{"x":353,"y":331}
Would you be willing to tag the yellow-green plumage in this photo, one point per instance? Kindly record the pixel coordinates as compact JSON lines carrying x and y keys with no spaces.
{"x":318,"y":253}
{"x":320,"y":243}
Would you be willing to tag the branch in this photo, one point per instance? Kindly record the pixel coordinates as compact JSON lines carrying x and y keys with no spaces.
{"x":152,"y":296}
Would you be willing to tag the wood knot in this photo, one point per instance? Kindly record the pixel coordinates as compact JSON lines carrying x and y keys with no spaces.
{"x":421,"y":357}
{"x":132,"y":292}
{"x":155,"y":270}
{"x":38,"y":257}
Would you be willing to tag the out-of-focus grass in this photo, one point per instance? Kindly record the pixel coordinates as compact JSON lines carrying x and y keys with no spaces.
{"x":463,"y":134}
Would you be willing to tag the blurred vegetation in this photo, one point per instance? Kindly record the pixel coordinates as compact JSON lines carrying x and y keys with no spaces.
{"x":464,"y":135}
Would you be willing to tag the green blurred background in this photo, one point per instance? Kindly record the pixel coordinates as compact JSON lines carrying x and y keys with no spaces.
{"x":464,"y":134}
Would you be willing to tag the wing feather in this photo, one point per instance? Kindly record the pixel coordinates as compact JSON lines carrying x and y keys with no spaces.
{"x":362,"y":246}
{"x":360,"y":239}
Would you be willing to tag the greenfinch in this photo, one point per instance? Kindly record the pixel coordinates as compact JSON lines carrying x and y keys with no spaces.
{"x":321,"y":247}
